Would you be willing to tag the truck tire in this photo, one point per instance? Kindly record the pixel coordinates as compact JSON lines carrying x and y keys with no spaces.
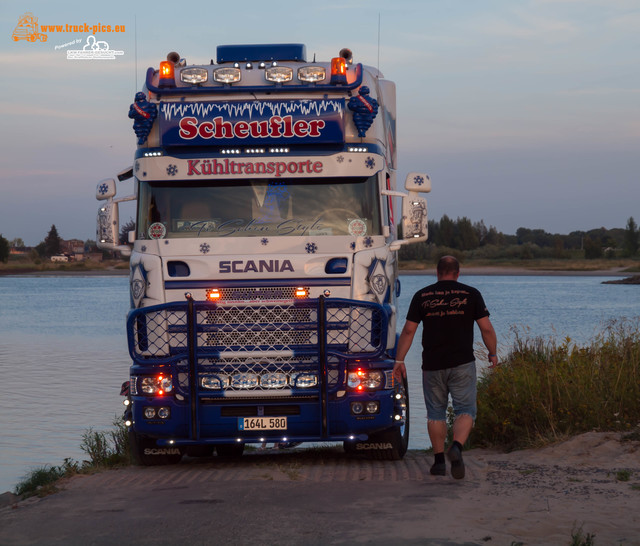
{"x":230,"y":450}
{"x":390,"y":444}
{"x":145,"y":452}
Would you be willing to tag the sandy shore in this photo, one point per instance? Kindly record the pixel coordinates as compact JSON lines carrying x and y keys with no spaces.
{"x":530,"y":497}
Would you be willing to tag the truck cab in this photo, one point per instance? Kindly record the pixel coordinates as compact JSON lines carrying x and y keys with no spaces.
{"x":263,"y":265}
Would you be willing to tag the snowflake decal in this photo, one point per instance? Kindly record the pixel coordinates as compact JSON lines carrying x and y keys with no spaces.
{"x":265,"y":241}
{"x":340,"y":159}
{"x":370,"y":162}
{"x":103,"y":189}
{"x":368,"y":242}
{"x":311,"y":248}
{"x":419,"y":180}
{"x":353,"y":245}
{"x":204,"y":248}
{"x":137,"y":166}
{"x":143,"y":248}
{"x":172,"y":170}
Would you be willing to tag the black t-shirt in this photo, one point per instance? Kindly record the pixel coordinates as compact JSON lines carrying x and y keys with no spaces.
{"x":448,"y":311}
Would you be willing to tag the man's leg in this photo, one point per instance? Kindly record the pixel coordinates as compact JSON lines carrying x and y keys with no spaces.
{"x":437,"y":434}
{"x":462,"y":385}
{"x":436,"y":399}
{"x":462,"y":428}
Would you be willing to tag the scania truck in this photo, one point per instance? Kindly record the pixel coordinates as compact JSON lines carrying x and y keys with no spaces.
{"x":263,"y":264}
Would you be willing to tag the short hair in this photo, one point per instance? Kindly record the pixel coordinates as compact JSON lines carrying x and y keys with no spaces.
{"x":448,"y":265}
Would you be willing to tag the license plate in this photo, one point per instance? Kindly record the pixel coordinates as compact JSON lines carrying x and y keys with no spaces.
{"x":262,"y":423}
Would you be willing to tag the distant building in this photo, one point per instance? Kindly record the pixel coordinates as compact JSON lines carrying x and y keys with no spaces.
{"x":73,"y":249}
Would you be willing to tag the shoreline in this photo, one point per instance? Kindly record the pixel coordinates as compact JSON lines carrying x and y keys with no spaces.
{"x":521,"y":271}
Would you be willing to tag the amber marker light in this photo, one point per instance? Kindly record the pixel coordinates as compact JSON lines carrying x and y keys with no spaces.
{"x":302,"y":292}
{"x":338,"y":70}
{"x":213,"y":294}
{"x":166,"y":69}
{"x":167,"y":74}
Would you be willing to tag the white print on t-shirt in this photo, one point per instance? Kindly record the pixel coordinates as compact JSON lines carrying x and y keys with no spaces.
{"x":441,"y":306}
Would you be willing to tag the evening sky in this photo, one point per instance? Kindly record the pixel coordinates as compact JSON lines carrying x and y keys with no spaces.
{"x":524,"y":113}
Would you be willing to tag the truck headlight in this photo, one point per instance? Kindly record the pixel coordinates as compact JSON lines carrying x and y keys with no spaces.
{"x":304,"y":380}
{"x":364,"y":379}
{"x":214,"y":382}
{"x":275,"y":380}
{"x":156,"y":384}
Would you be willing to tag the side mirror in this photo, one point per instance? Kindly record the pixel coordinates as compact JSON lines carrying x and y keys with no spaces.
{"x":108,"y":221}
{"x":106,"y":189}
{"x":107,"y":229}
{"x":414,"y":210}
{"x":107,"y":226}
{"x":414,"y":218}
{"x":418,"y":183}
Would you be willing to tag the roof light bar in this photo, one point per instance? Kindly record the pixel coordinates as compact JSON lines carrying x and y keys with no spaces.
{"x":278,"y":74}
{"x":312,"y":74}
{"x":194,"y":75}
{"x":227,"y":75}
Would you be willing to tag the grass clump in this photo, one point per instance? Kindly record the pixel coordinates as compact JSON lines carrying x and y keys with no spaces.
{"x":105,"y":450}
{"x":42,"y":481}
{"x":544,"y":391}
{"x":579,"y":538}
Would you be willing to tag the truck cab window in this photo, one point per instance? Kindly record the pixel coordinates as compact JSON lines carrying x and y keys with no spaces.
{"x":258,"y":208}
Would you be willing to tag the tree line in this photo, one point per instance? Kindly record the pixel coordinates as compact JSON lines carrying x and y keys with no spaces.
{"x":476,"y":240}
{"x":51,"y":245}
{"x":461,"y":235}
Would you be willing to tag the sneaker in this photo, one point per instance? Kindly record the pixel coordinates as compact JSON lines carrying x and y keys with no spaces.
{"x":438,"y":469}
{"x":457,"y":464}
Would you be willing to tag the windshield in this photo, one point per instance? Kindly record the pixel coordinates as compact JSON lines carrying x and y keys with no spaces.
{"x":259,"y":208}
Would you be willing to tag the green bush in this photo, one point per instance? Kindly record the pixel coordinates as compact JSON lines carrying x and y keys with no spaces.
{"x":544,"y":391}
{"x":107,"y":449}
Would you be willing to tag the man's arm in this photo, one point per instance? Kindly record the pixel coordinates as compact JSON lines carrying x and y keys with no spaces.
{"x":404,"y":344}
{"x":490,"y":339}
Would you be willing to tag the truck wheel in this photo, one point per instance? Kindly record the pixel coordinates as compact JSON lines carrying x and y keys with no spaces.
{"x":230,"y":450}
{"x":390,"y":444}
{"x":145,"y":452}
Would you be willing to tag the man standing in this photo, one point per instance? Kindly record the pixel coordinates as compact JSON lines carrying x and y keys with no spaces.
{"x":448,"y":310}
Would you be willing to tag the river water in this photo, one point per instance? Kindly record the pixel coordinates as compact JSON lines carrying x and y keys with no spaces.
{"x":63,"y":351}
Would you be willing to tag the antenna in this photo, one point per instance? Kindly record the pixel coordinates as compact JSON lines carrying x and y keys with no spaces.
{"x":135,"y":48}
{"x":378,"y":42}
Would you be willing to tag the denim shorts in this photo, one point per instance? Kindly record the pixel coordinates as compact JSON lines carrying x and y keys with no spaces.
{"x":459,"y":382}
